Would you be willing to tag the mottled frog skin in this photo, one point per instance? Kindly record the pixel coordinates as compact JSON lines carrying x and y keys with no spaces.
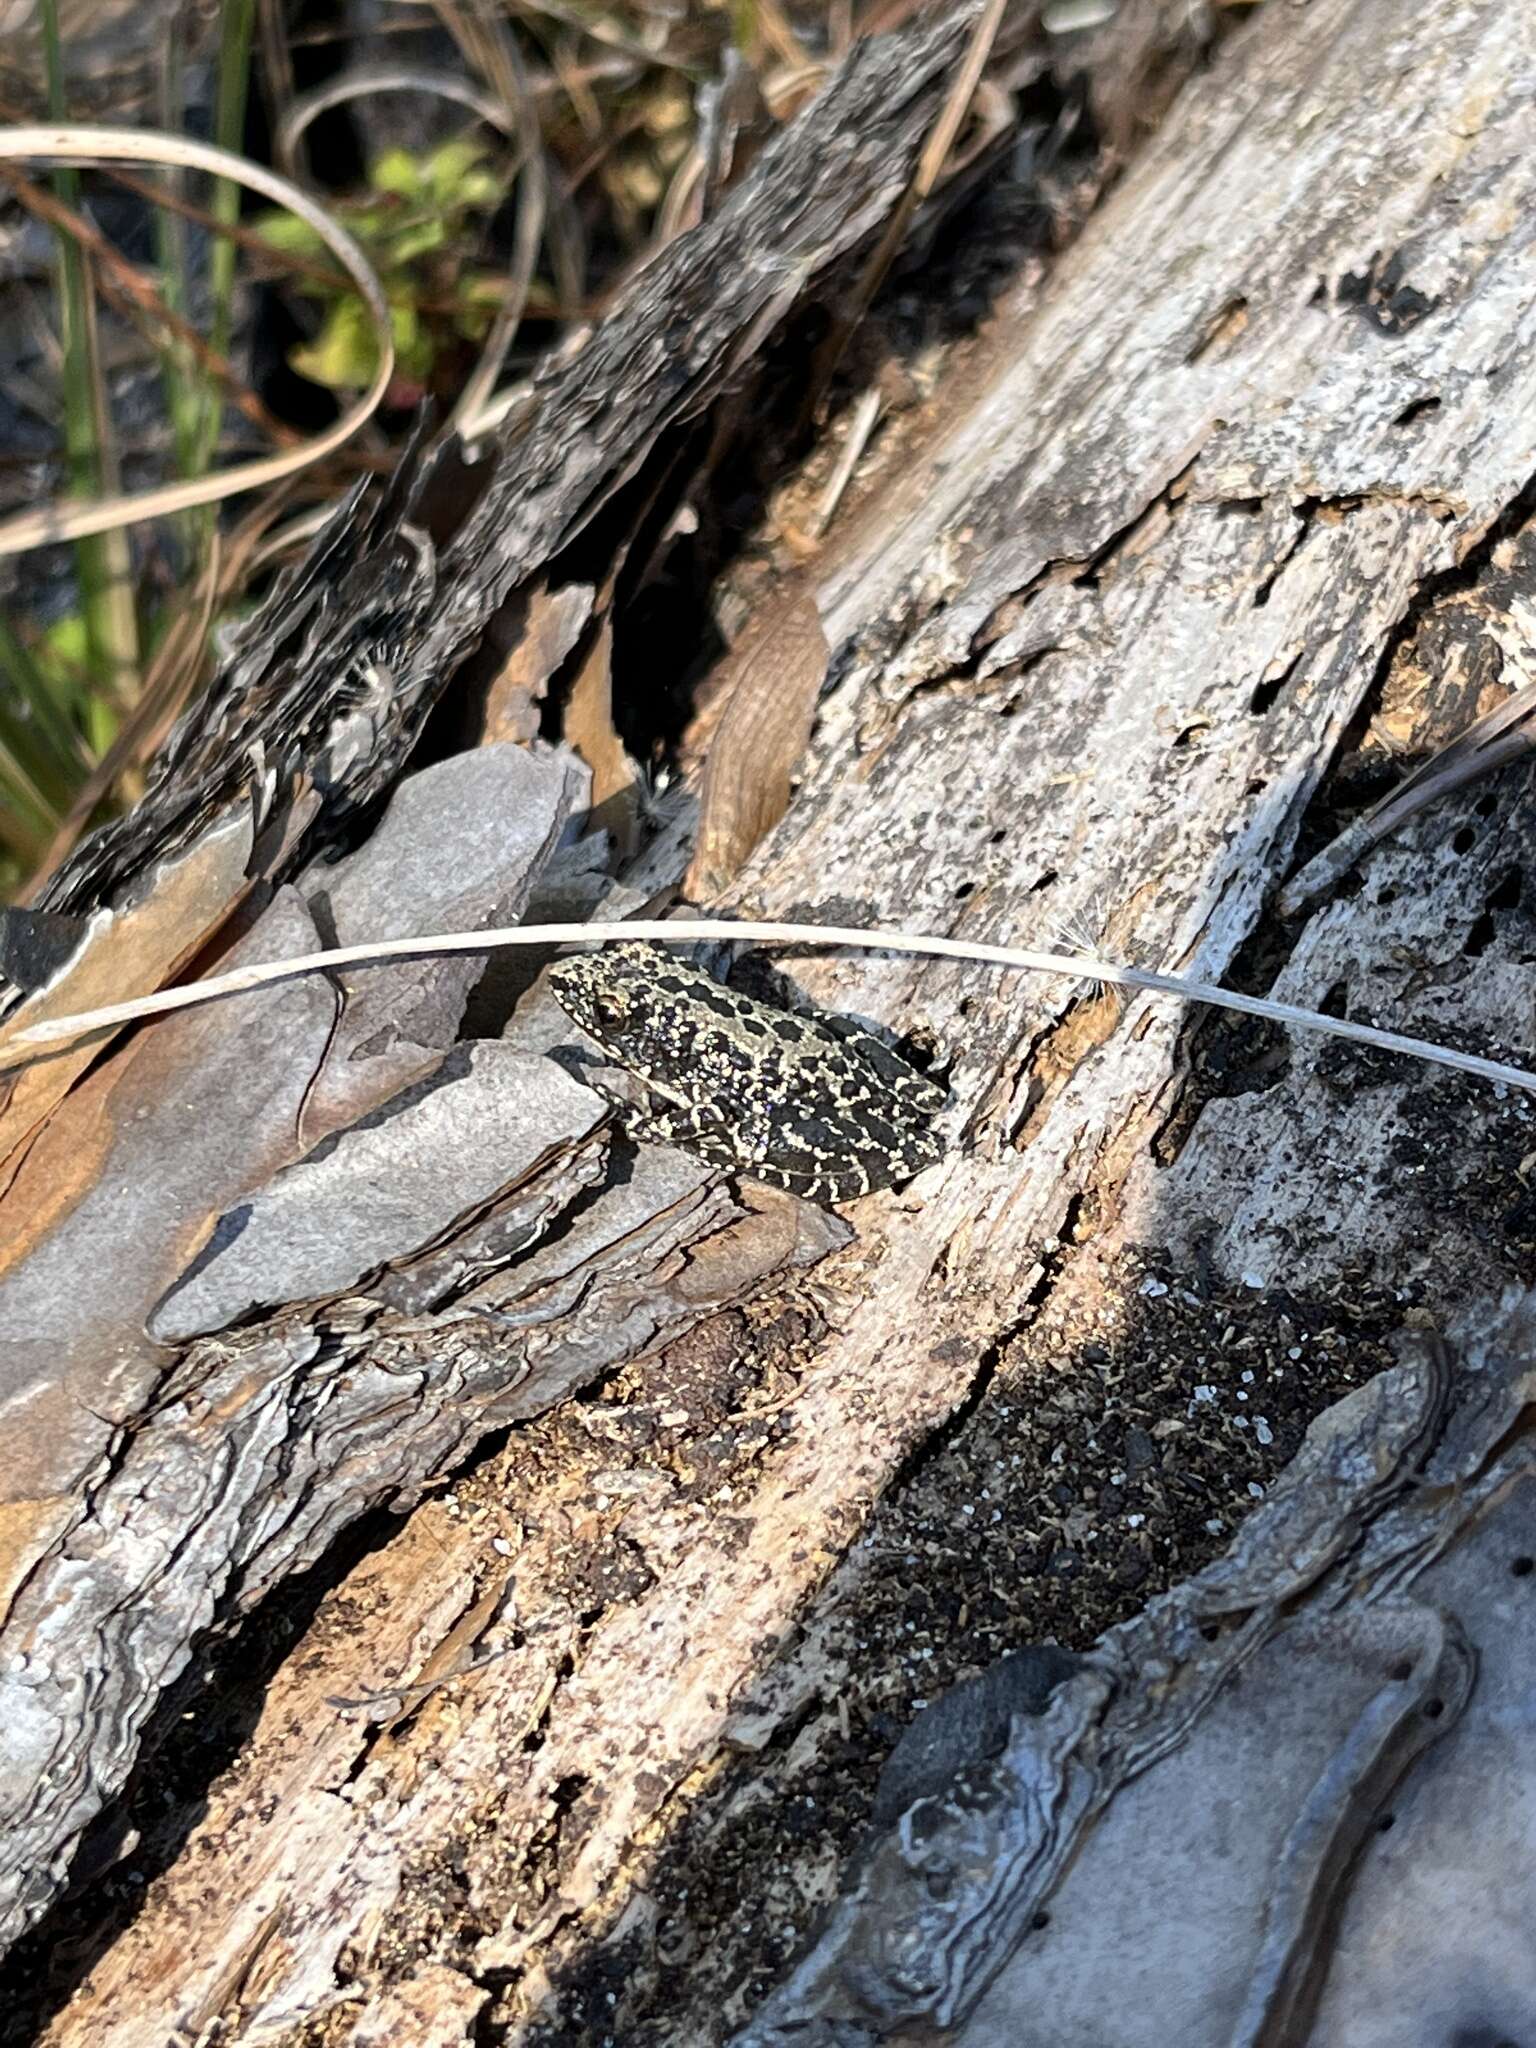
{"x":807,"y":1103}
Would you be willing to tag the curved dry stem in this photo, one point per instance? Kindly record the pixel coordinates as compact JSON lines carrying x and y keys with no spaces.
{"x":487,"y":42}
{"x":37,"y":1040}
{"x":363,"y":84}
{"x":70,"y":519}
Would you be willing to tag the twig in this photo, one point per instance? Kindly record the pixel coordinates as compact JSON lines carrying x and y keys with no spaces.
{"x":1503,"y":735}
{"x":408,"y":1696}
{"x":36,"y":1040}
{"x":925,"y":176}
{"x":861,"y":425}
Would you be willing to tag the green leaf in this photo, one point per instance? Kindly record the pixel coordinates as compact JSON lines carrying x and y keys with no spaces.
{"x":405,"y":324}
{"x":66,"y":646}
{"x":413,"y":347}
{"x":481,"y":189}
{"x":446,"y":169}
{"x":371,"y":224}
{"x":397,"y":171}
{"x":344,"y":354}
{"x":288,"y":234}
{"x":417,"y":239}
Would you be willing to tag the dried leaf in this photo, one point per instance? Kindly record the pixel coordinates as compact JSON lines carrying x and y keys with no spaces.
{"x":590,"y":729}
{"x":551,"y":625}
{"x":770,"y":682}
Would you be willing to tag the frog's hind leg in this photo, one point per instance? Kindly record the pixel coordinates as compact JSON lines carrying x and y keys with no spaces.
{"x":907,"y":1083}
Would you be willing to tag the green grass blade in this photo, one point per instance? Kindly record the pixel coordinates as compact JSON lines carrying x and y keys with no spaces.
{"x":103,"y":562}
{"x":180,"y":378}
{"x":38,"y":732}
{"x":236,"y":21}
{"x":26,"y":821}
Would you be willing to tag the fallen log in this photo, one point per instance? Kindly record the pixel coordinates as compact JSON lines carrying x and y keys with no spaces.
{"x":1243,"y":492}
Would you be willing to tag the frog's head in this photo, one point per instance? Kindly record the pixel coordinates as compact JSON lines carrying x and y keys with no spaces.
{"x":611,"y":994}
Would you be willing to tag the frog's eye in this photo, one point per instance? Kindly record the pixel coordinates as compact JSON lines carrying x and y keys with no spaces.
{"x":608,"y":1006}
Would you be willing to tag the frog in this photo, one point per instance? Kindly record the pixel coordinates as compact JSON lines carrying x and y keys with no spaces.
{"x":807,"y":1102}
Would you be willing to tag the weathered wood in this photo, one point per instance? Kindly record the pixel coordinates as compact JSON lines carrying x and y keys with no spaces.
{"x":123,"y":1452}
{"x":1096,"y":637}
